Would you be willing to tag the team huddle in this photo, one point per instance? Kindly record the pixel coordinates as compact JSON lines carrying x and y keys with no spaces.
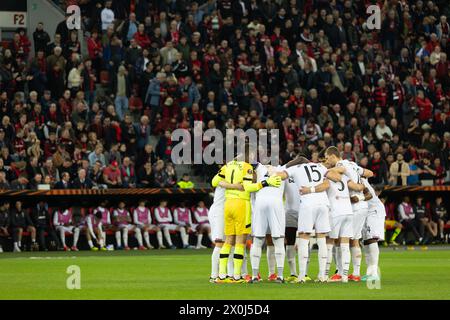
{"x":285,"y":206}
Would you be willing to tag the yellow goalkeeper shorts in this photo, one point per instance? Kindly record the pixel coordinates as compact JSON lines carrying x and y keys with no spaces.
{"x":237,"y":214}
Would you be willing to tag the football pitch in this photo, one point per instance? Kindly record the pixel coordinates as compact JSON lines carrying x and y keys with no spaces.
{"x":183,"y":274}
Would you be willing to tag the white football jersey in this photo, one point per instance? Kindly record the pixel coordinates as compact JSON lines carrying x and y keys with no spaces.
{"x":262,"y":173}
{"x":291,"y":195}
{"x":375,"y":202}
{"x":219,"y":196}
{"x":310,"y":175}
{"x":339,"y":197}
{"x":354,"y":173}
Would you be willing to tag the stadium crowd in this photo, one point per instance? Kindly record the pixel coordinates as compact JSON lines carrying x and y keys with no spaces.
{"x":313,"y":69}
{"x":103,"y":116}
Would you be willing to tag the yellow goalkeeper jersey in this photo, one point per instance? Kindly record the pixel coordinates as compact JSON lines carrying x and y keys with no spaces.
{"x":238,"y":172}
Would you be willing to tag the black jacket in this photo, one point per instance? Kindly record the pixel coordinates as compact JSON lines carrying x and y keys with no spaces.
{"x":20,"y":219}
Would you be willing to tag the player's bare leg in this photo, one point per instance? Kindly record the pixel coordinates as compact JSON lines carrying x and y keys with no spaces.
{"x":356,"y":255}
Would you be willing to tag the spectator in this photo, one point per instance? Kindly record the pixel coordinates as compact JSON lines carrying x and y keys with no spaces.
{"x":399,"y":171}
{"x":41,"y":38}
{"x":82,"y":181}
{"x":65,"y":182}
{"x":185,"y":182}
{"x":121,"y":89}
{"x":413,"y":178}
{"x":112,"y":175}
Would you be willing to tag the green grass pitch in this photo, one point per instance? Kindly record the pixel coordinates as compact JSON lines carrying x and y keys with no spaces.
{"x":183,"y":274}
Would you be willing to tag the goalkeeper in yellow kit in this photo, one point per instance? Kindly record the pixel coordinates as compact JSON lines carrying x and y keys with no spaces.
{"x":237,"y":213}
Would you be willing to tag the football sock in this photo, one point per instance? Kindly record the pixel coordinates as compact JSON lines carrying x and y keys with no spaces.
{"x":199,"y":239}
{"x":345,"y":258}
{"x":210,"y":238}
{"x":374,"y":252}
{"x":90,"y":243}
{"x":63,"y":237}
{"x":244,"y":270}
{"x":367,"y":258}
{"x":76,"y":235}
{"x":395,"y":234}
{"x":184,"y":236}
{"x":160,"y":238}
{"x":104,"y":235}
{"x":271,"y":259}
{"x":125,"y":237}
{"x":230,"y":266}
{"x":224,"y":254}
{"x":118,"y":239}
{"x":303,"y":254}
{"x":280,"y":255}
{"x":167,"y":236}
{"x":255,"y":255}
{"x":238,"y":259}
{"x":147,"y":238}
{"x":356,"y":258}
{"x":290,"y":253}
{"x":322,"y":254}
{"x":215,"y":257}
{"x":138,"y":235}
{"x":309,"y":259}
{"x":329,"y":259}
{"x":338,"y":257}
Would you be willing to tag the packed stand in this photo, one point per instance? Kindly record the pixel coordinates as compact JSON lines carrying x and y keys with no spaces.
{"x":310,"y":68}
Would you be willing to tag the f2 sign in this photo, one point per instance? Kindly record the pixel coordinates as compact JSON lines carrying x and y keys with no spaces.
{"x":374,"y":20}
{"x":73,"y":21}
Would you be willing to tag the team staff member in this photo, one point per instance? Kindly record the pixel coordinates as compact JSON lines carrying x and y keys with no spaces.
{"x":237,"y":213}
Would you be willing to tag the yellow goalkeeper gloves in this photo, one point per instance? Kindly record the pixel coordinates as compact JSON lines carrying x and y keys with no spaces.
{"x":273,"y":181}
